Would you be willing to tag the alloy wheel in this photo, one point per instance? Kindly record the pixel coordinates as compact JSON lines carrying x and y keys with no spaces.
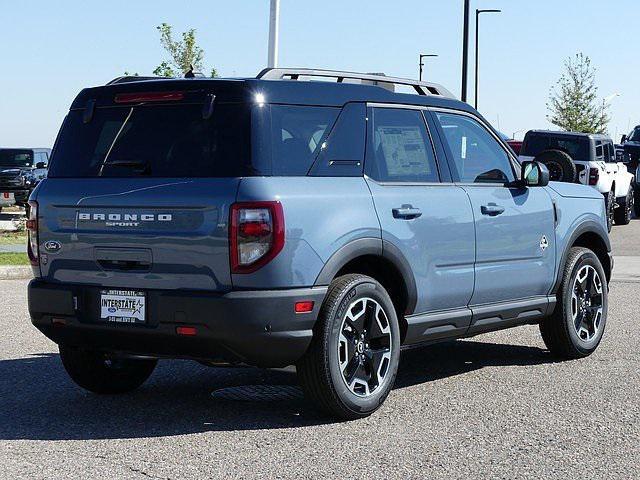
{"x":587,"y":303}
{"x":364,"y":347}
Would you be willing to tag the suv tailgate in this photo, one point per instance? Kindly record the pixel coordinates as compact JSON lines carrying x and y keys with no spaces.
{"x":142,"y":233}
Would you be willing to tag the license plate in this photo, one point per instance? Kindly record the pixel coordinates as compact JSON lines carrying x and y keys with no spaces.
{"x":7,"y":196}
{"x":122,"y":306}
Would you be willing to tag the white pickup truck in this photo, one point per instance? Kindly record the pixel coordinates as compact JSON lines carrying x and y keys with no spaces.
{"x":589,"y":159}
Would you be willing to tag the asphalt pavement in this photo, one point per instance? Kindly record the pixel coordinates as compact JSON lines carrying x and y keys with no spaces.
{"x":495,"y":406}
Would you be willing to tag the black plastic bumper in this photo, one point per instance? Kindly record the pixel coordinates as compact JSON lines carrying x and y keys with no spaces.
{"x":255,"y":327}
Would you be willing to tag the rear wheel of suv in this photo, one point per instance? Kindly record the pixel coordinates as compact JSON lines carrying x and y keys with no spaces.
{"x":352,"y":361}
{"x":101,"y":373}
{"x":577,"y":324}
{"x":622,"y":214}
{"x":636,"y":201}
{"x":560,"y":165}
{"x":610,"y":203}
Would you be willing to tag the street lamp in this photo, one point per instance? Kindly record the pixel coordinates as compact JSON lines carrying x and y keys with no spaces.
{"x":420,"y":64}
{"x":478,"y":12}
{"x":465,"y":51}
{"x":274,"y":32}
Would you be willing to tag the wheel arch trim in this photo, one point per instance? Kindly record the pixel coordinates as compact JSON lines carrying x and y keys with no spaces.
{"x":374,"y":247}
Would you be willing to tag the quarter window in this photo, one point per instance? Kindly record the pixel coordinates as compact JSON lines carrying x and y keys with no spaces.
{"x":477,"y":155}
{"x":400,"y":149}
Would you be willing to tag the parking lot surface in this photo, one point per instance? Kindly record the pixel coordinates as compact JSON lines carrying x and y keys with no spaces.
{"x":495,"y":406}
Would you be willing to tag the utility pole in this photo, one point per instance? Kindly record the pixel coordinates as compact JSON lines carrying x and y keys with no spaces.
{"x":421,"y":64}
{"x":465,"y":51}
{"x":274,"y":33}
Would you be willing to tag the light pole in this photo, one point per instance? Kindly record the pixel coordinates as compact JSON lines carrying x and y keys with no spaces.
{"x":420,"y":64}
{"x":465,"y":51}
{"x":274,"y":32}
{"x":478,"y":12}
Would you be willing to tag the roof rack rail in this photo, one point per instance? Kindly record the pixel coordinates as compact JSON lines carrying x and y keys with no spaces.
{"x":379,"y":79}
{"x":131,"y":78}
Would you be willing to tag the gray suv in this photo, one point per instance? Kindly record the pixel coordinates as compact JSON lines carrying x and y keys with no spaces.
{"x":276,"y":221}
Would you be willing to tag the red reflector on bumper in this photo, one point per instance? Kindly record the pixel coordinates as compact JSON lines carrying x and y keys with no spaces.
{"x":187,"y":331}
{"x":304,"y":307}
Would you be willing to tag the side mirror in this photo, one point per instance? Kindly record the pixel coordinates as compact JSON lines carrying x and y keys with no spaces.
{"x":624,"y":139}
{"x":41,"y":165}
{"x":534,"y":174}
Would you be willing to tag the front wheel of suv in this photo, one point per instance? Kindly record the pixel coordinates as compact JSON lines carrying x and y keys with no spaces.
{"x":352,"y":361}
{"x":577,"y":324}
{"x":101,"y":373}
{"x":625,"y":208}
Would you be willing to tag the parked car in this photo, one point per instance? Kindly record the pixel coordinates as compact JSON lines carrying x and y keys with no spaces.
{"x":275,"y":221}
{"x":629,"y":154}
{"x":21,"y":169}
{"x":516,"y":145}
{"x":587,"y":159}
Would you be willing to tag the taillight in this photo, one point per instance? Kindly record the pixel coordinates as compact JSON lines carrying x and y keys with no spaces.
{"x":594,"y":176}
{"x":256,"y":234}
{"x":148,"y":97}
{"x":32,"y":234}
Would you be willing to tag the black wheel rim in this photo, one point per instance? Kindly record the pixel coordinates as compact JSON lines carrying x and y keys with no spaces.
{"x":555,"y":171}
{"x":364,"y":347}
{"x":587,"y":303}
{"x":630,"y":204}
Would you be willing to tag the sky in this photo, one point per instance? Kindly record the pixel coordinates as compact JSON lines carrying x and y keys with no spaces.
{"x":50,"y":50}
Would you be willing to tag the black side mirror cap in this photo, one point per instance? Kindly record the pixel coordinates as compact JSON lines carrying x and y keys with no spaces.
{"x":624,"y":139}
{"x":534,"y":174}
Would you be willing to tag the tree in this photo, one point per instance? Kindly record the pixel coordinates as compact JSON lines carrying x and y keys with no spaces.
{"x":573,"y":102}
{"x":184,"y":54}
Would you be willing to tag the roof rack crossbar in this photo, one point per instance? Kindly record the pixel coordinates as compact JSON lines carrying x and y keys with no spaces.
{"x":421,"y":88}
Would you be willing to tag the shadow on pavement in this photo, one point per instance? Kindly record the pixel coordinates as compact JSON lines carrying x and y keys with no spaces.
{"x":38,"y":400}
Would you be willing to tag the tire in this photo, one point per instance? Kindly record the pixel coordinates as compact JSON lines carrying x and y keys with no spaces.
{"x":560,"y":165}
{"x":324,"y":371}
{"x":98,"y":373}
{"x":561,"y":333}
{"x":636,"y":202}
{"x":609,"y":203}
{"x":622,"y":215}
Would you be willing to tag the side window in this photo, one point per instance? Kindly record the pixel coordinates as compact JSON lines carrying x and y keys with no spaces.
{"x":610,"y":154}
{"x":599,"y":151}
{"x":296,"y":136}
{"x":478,"y":157}
{"x":400,"y":149}
{"x":342,"y":153}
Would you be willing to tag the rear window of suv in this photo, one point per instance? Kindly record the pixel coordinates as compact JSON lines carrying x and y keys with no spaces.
{"x":578,"y":148}
{"x":154,"y":141}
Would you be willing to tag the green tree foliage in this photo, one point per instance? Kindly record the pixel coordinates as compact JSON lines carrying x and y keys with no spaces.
{"x":573,"y":102}
{"x":184,"y":54}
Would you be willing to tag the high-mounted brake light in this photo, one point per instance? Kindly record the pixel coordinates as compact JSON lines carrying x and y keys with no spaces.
{"x":149,"y":97}
{"x":32,"y":234}
{"x":256,"y":235}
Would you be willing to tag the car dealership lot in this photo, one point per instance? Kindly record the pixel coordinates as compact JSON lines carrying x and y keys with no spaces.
{"x":493,"y":406}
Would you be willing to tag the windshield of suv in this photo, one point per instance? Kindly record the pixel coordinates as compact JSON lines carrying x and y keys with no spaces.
{"x":578,"y":148}
{"x":13,"y":157}
{"x":635,"y":135}
{"x":155,"y":141}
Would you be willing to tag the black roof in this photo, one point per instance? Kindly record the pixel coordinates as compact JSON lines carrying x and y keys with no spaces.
{"x":273,"y":91}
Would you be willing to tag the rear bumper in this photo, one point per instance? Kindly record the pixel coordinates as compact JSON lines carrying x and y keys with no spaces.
{"x":255,"y":327}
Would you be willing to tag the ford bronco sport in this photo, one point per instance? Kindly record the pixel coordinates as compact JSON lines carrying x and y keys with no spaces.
{"x":327,"y":225}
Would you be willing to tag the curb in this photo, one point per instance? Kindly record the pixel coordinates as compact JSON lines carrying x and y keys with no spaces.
{"x":15,"y":272}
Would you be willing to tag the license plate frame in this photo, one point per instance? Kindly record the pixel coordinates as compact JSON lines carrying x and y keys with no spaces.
{"x":122,"y":306}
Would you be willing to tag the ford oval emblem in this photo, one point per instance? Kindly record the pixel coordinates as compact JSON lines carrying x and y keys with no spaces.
{"x":52,"y":246}
{"x":112,"y":309}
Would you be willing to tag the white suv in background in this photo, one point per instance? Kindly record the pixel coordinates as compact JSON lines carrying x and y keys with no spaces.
{"x":584,"y":158}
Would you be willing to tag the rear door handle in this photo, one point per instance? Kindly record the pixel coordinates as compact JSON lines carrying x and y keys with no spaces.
{"x":492,"y":209}
{"x":406,"y":212}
